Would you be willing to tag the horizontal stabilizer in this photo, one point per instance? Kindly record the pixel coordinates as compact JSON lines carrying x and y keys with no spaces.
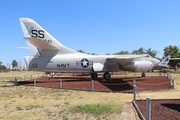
{"x":41,"y":44}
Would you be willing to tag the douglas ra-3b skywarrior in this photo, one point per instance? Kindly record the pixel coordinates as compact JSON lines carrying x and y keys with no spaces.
{"x":49,"y":55}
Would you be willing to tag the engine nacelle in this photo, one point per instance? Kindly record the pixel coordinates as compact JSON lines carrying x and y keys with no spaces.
{"x":137,"y":66}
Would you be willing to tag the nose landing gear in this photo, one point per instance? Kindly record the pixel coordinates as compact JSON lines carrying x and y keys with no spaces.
{"x":94,"y":76}
{"x":143,"y":74}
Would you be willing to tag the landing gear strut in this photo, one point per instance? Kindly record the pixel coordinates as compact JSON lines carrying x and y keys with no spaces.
{"x":107,"y":76}
{"x":51,"y":77}
{"x":94,"y":76}
{"x":143,"y":74}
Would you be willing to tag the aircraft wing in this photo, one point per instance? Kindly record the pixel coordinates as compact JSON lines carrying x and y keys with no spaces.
{"x":174,"y":58}
{"x":123,"y":60}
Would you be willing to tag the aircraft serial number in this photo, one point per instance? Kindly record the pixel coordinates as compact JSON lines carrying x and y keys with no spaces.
{"x":48,"y":41}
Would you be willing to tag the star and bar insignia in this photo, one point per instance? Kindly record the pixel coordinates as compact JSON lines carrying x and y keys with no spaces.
{"x":84,"y":63}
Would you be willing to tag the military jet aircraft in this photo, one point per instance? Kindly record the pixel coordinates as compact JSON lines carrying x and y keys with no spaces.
{"x":49,"y":55}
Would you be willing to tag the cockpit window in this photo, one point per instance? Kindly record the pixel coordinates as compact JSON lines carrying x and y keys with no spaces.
{"x":147,"y":55}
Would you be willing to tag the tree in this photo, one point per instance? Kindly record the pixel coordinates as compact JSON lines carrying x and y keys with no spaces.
{"x":80,"y":51}
{"x":174,"y":52}
{"x":93,"y":53}
{"x":121,"y":53}
{"x":2,"y":67}
{"x":141,"y":50}
{"x":153,"y":53}
{"x":14,"y":63}
{"x":135,"y":52}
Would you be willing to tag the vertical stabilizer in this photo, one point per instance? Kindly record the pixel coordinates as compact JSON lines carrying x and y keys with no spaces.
{"x":37,"y":37}
{"x":165,"y":61}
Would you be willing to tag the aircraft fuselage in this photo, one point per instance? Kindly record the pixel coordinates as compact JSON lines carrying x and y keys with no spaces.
{"x":64,"y":63}
{"x":84,"y":63}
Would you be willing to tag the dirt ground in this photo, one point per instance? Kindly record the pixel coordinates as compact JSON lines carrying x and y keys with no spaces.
{"x":161,"y":109}
{"x":123,"y":84}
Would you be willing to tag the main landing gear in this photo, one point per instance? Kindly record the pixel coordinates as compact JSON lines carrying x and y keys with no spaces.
{"x":143,"y":74}
{"x":94,"y":76}
{"x":106,"y":76}
{"x":52,"y":75}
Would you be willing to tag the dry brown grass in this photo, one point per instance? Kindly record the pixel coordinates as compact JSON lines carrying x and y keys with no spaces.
{"x":22,"y":102}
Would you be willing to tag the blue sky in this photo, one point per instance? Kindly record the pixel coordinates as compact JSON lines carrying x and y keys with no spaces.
{"x":94,"y":26}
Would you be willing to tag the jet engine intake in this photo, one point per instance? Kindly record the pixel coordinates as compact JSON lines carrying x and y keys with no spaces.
{"x":137,"y":66}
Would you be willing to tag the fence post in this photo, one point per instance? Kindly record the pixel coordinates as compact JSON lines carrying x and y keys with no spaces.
{"x":168,"y":75}
{"x":173,"y":83}
{"x":170,"y":82}
{"x":50,"y":75}
{"x":92,"y":81}
{"x":134,"y":82}
{"x":24,"y":77}
{"x":164,"y":72}
{"x":148,"y":108}
{"x":15,"y":81}
{"x":134,"y":92}
{"x":160,"y":73}
{"x":34,"y":81}
{"x":60,"y":83}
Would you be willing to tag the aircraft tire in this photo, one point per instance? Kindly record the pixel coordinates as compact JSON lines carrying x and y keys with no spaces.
{"x":143,"y":74}
{"x":107,"y":76}
{"x":94,"y":76}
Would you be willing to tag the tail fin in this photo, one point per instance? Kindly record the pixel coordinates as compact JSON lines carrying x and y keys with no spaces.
{"x":46,"y":44}
{"x":165,"y":61}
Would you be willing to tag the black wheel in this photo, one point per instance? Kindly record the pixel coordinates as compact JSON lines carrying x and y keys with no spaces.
{"x":143,"y":74}
{"x":107,"y":76}
{"x":94,"y":76}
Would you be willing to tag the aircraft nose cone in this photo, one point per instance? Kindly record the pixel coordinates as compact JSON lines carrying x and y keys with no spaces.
{"x":156,"y":62}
